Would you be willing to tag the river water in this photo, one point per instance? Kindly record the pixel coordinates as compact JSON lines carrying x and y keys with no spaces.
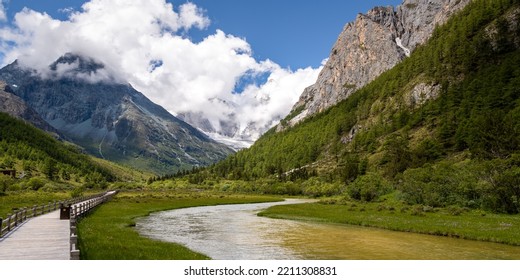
{"x":235,"y":232}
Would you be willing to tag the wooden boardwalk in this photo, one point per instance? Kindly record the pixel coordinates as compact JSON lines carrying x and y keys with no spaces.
{"x":45,"y":237}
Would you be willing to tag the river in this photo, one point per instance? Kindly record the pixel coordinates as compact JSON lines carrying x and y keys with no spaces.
{"x":235,"y":232}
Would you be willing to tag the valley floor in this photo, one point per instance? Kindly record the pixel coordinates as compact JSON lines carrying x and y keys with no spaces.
{"x":109,"y":232}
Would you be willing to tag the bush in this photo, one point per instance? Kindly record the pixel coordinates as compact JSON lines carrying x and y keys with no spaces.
{"x":5,"y":183}
{"x":36,"y":183}
{"x":503,"y":192}
{"x":441,"y":185}
{"x":316,"y":187}
{"x":368,"y":187}
{"x":77,"y":192}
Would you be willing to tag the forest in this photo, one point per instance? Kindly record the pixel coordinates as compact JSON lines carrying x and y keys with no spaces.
{"x":41,"y":160}
{"x":457,"y":144}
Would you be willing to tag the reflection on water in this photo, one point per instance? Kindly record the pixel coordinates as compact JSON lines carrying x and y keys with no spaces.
{"x":235,"y":232}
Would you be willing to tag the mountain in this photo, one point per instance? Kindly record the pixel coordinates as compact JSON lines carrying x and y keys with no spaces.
{"x":229,"y":131}
{"x":80,"y":98}
{"x":441,"y":128}
{"x":16,"y":107}
{"x":372,"y":44}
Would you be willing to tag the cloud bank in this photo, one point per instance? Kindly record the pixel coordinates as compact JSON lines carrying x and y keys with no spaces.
{"x":146,"y":44}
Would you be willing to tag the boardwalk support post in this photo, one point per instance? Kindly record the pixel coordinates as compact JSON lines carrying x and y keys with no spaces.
{"x":74,"y":252}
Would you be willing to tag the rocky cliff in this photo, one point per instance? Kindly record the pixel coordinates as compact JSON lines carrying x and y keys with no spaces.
{"x":78,"y":98}
{"x":16,"y":107}
{"x":367,"y":47}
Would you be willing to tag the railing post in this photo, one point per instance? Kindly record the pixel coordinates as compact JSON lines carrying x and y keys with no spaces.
{"x":8,"y":221}
{"x":1,"y":227}
{"x":34,"y":211}
{"x":74,"y":252}
{"x":16,"y":218}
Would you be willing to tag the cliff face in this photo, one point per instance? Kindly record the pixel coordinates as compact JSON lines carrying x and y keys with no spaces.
{"x":16,"y":107}
{"x":372,"y":44}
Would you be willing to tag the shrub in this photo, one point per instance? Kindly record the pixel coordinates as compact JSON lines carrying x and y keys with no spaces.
{"x":5,"y":183}
{"x":368,"y":187}
{"x":36,"y":183}
{"x":318,"y":187}
{"x":77,"y":192}
{"x":503,"y":193}
{"x":455,"y":211}
{"x":418,"y":211}
{"x":441,"y":185}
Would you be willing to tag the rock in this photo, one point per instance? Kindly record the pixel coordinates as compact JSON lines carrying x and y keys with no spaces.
{"x":421,"y":93}
{"x":16,"y":107}
{"x":371,"y":45}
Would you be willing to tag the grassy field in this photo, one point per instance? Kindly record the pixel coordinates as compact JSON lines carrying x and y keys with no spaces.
{"x":453,"y":222}
{"x":11,"y":202}
{"x":108,"y":233}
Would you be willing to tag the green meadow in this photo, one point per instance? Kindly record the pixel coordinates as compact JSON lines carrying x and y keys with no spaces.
{"x":451,"y":221}
{"x":109,"y":234}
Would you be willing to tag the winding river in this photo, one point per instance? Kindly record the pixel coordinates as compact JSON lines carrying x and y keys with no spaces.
{"x":235,"y":232}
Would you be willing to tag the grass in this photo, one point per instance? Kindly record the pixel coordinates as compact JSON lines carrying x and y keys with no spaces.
{"x":123,"y":173}
{"x":453,"y":222}
{"x":13,"y":201}
{"x":108,"y":233}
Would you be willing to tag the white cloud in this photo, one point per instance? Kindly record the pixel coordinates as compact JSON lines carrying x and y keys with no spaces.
{"x":143,"y":44}
{"x":67,"y":10}
{"x":3,"y":16}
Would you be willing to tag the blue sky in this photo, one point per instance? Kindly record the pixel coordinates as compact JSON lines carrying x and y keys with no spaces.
{"x":197,"y":57}
{"x":292,"y":33}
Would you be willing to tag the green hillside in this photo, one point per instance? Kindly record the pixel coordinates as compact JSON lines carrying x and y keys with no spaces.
{"x":441,"y":128}
{"x":40,"y":158}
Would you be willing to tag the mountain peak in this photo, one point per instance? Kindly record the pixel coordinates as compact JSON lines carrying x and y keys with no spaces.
{"x":110,"y":119}
{"x":372,"y":44}
{"x":79,"y":63}
{"x":75,"y":66}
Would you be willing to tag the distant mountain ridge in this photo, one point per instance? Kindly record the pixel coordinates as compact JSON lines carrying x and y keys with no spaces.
{"x":372,"y":44}
{"x":230,"y":131}
{"x":81,"y":100}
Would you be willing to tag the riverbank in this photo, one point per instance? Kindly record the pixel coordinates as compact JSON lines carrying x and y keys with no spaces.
{"x":109,"y":233}
{"x":458,"y":223}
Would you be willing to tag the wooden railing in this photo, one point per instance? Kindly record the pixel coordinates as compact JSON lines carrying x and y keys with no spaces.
{"x":77,"y":207}
{"x":20,"y":216}
{"x":14,"y":220}
{"x":78,"y":211}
